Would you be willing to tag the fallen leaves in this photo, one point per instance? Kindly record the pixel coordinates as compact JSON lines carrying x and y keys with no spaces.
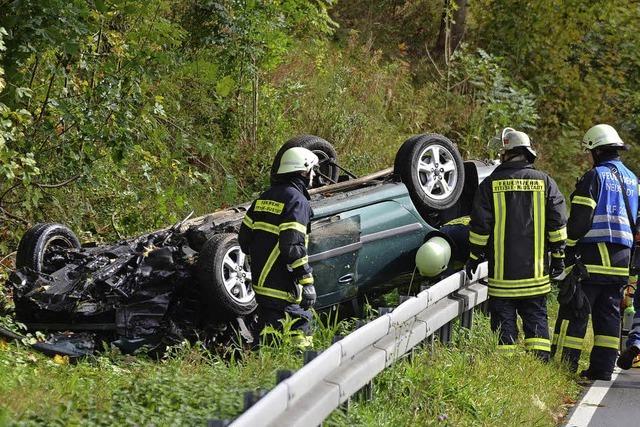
{"x":60,"y":360}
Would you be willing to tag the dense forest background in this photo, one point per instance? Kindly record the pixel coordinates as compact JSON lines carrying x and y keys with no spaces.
{"x":119,"y":116}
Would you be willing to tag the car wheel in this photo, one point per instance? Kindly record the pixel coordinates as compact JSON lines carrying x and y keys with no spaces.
{"x":321,"y":148}
{"x":432,"y":169}
{"x":224,"y":276}
{"x":37,"y":242}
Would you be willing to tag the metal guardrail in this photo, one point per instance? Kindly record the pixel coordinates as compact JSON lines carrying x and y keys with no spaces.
{"x":312,"y":393}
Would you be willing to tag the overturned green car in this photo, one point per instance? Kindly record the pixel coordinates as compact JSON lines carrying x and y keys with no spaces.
{"x":193,"y":281}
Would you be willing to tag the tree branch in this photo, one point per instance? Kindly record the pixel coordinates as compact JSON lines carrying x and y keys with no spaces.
{"x":10,"y":189}
{"x":13,"y":217}
{"x":426,"y":48}
{"x":59,"y":184}
{"x":7,"y":257}
{"x":46,"y":98}
{"x":113,"y":224}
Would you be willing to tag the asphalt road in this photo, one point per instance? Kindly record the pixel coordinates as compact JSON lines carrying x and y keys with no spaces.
{"x":610,"y":403}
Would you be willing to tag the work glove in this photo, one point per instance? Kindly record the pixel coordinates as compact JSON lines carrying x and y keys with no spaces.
{"x":308,"y":296}
{"x":556,"y":268}
{"x":570,"y":292}
{"x":567,"y":288}
{"x":470,"y":267}
{"x":580,"y":304}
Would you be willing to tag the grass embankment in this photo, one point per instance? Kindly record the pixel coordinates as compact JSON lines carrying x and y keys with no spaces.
{"x":465,"y":383}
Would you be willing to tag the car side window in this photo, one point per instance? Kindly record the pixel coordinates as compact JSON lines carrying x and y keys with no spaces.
{"x":331,"y":236}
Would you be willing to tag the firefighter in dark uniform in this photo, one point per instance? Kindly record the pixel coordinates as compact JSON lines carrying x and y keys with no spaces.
{"x":604,"y":207}
{"x":457,"y":230}
{"x":274,"y":234}
{"x":518,"y":217}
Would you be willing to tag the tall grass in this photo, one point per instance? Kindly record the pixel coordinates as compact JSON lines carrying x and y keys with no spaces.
{"x":464,"y":383}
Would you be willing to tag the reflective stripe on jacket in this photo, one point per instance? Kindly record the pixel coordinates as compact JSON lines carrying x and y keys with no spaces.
{"x":518,"y":216}
{"x":274,"y":233}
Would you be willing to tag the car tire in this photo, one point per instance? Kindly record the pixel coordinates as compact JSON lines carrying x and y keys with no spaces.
{"x":224,"y":277}
{"x":33,"y":246}
{"x":322,"y":148}
{"x":434,"y":183}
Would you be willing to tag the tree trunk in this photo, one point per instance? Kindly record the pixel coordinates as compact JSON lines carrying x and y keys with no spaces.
{"x":452,"y":28}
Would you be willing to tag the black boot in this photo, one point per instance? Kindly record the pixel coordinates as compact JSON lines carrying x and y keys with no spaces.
{"x":593,"y":375}
{"x":627,"y":357}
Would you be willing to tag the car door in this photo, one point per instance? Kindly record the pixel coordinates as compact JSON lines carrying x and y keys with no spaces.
{"x":334,"y":245}
{"x":390,"y":236}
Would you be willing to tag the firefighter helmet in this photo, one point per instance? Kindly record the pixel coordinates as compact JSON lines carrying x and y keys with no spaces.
{"x":602,"y":135}
{"x":433,"y":257}
{"x":297,"y":159}
{"x":512,"y":138}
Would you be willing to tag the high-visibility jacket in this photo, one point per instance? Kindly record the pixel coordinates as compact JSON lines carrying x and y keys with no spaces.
{"x":599,"y":230}
{"x":518,"y":216}
{"x":274,"y":234}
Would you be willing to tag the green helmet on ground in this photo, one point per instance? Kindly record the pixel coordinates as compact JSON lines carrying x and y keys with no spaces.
{"x":297,"y":159}
{"x":602,"y":135}
{"x":433,"y":257}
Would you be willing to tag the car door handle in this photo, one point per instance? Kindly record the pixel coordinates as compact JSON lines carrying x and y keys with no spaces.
{"x":347,"y":278}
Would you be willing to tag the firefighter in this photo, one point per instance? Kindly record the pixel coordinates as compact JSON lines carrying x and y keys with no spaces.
{"x":518,"y":217}
{"x":600,"y":231}
{"x":274,"y":234}
{"x":457,"y":231}
{"x":630,"y":354}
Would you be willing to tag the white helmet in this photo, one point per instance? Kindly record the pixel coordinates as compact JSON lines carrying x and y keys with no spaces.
{"x":433,"y":256}
{"x":600,"y":136}
{"x":511,"y":138}
{"x":297,"y":159}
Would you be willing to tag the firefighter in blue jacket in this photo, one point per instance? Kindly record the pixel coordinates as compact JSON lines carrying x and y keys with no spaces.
{"x":629,"y":357}
{"x":600,"y":229}
{"x":518,"y":218}
{"x":274,"y":234}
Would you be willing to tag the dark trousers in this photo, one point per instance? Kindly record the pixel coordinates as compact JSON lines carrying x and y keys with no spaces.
{"x":270,"y":311}
{"x":569,"y":332}
{"x":533,"y":311}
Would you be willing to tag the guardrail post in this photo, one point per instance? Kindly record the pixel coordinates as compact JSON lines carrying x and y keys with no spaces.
{"x":403,"y":298}
{"x":308,"y":356}
{"x":283,"y":374}
{"x":444,"y":333}
{"x":365,"y":394}
{"x":249,"y":399}
{"x":218,"y":423}
{"x":384,"y":310}
{"x":467,"y":319}
{"x":483,"y":307}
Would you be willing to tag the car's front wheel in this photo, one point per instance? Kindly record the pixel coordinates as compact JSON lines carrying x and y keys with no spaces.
{"x":432,"y":169}
{"x":37,"y":243}
{"x":224,"y":276}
